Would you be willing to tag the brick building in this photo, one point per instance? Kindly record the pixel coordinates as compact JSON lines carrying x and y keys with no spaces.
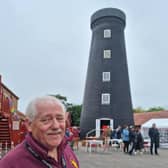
{"x":141,"y":118}
{"x":12,"y":127}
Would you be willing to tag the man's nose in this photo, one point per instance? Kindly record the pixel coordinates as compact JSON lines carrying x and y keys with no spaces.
{"x":55,"y":122}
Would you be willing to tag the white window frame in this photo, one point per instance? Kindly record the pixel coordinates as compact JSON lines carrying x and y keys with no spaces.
{"x":105,"y":98}
{"x":107,"y":54}
{"x":107,"y":33}
{"x":106,"y":76}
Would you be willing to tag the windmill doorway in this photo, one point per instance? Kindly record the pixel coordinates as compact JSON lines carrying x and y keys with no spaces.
{"x":102,"y":123}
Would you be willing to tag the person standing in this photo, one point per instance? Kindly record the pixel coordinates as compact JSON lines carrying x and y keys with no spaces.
{"x":106,"y":136}
{"x":45,"y":145}
{"x":118,"y":132}
{"x":132,"y":143}
{"x":75,"y":139}
{"x":125,"y":138}
{"x":154,"y":137}
{"x":139,"y":141}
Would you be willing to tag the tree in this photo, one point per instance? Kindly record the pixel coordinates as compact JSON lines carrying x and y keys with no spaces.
{"x":138,"y":110}
{"x":63,"y":100}
{"x":155,"y":109}
{"x":75,"y":111}
{"x":151,"y":109}
{"x":60,"y":97}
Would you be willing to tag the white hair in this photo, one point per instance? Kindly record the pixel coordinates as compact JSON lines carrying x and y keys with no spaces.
{"x":31,"y":110}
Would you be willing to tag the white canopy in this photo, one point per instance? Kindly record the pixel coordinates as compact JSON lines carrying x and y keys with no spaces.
{"x":160,"y":123}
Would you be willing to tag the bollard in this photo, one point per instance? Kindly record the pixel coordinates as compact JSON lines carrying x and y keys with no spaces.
{"x":6,"y":147}
{"x":12,"y":145}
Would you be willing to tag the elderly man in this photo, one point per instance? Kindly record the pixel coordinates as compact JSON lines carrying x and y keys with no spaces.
{"x":45,"y":145}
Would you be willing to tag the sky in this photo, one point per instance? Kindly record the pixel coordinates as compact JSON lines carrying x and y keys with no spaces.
{"x":44,"y":48}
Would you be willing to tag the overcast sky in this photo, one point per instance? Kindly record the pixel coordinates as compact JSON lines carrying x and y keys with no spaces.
{"x":44,"y":48}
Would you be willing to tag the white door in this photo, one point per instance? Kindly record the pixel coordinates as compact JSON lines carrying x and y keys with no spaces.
{"x":97,"y":127}
{"x":111,"y":124}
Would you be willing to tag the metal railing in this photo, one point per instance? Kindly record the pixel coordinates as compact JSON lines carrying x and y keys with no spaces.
{"x":93,"y":131}
{"x":6,"y":149}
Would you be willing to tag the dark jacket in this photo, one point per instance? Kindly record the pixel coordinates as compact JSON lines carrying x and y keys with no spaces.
{"x":154,"y":136}
{"x":21,"y":157}
{"x":132,"y":136}
{"x":118,"y":132}
{"x":139,"y":141}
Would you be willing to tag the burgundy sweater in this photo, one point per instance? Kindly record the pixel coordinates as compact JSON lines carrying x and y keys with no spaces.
{"x":21,"y":157}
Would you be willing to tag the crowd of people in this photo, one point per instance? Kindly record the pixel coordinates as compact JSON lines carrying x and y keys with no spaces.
{"x":73,"y":134}
{"x":132,"y":138}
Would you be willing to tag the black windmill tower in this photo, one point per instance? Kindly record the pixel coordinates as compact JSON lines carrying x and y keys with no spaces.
{"x":107,"y":89}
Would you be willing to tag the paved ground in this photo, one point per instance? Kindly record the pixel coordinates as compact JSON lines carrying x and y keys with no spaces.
{"x":117,"y":159}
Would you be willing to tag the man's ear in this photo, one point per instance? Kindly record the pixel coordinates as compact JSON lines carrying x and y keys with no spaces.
{"x":28,"y":124}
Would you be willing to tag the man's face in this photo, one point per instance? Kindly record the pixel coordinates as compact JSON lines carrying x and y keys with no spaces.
{"x":48,"y":127}
{"x":154,"y":125}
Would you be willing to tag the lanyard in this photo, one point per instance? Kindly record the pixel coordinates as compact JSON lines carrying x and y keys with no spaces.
{"x":37,"y":156}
